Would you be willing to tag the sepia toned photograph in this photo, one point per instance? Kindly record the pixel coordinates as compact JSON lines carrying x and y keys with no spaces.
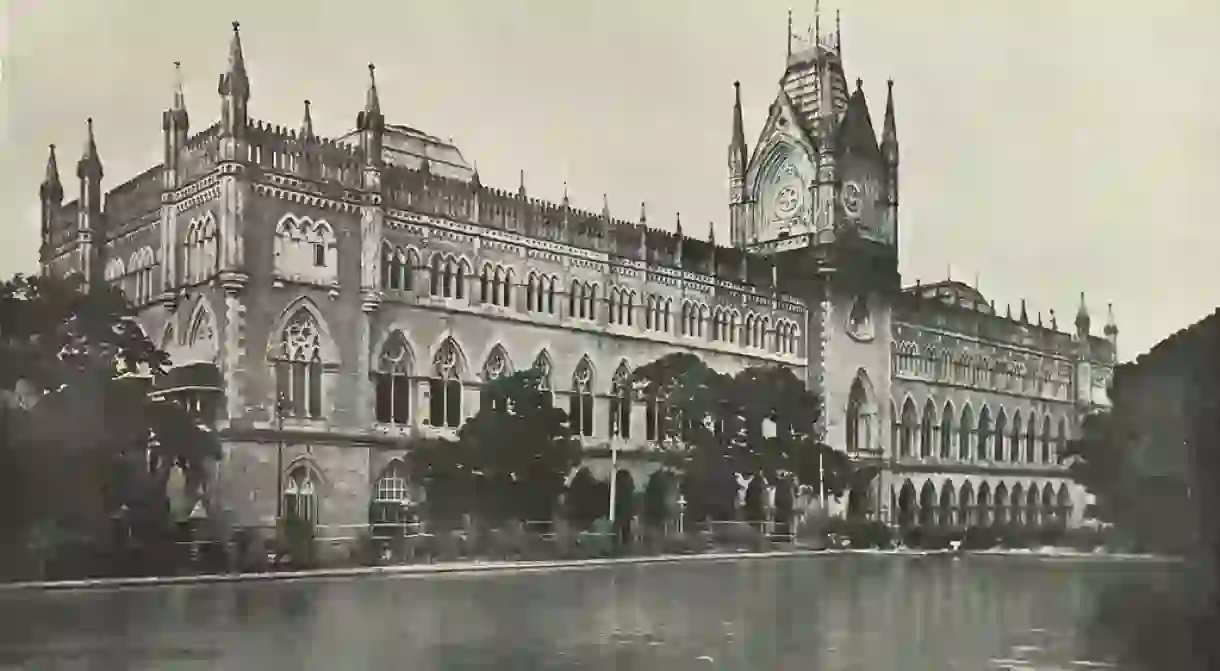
{"x":872,"y":335}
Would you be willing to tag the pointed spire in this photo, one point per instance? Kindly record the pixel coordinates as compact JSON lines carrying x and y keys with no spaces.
{"x":566,"y":201}
{"x":711,"y":233}
{"x":179,"y":95}
{"x":475,"y":180}
{"x":643,"y":213}
{"x":679,"y":231}
{"x":1039,"y":319}
{"x":838,"y":34}
{"x":372,"y":102}
{"x":1008,"y":311}
{"x":1082,"y":317}
{"x":678,"y":251}
{"x":236,"y":82}
{"x":739,"y":135}
{"x":1111,"y":325}
{"x":521,"y":188}
{"x":1024,"y":314}
{"x":52,"y":190}
{"x":1054,"y":321}
{"x":307,"y":124}
{"x":90,"y":165}
{"x":789,"y":33}
{"x":605,"y":206}
{"x":889,"y":133}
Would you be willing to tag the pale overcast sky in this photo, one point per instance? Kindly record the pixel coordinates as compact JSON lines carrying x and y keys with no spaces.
{"x":1048,"y":146}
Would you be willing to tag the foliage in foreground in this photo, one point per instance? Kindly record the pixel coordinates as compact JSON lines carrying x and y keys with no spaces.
{"x":76,"y":423}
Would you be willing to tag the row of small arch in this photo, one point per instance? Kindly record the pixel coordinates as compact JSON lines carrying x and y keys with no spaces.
{"x":1018,"y":497}
{"x":910,"y":424}
{"x":972,"y":360}
{"x":396,"y":355}
{"x":142,"y":259}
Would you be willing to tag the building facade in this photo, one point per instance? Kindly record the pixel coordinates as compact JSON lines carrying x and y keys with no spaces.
{"x":373,"y":283}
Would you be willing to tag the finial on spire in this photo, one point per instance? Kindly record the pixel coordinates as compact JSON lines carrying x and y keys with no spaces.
{"x":1111,"y":329}
{"x":521,"y":187}
{"x":565,"y":193}
{"x":679,"y":217}
{"x":605,"y":206}
{"x":89,"y":165}
{"x":859,"y":84}
{"x":1054,"y":322}
{"x":52,"y":189}
{"x":307,"y":123}
{"x":643,"y":213}
{"x":236,"y":27}
{"x":838,"y":34}
{"x":789,"y":32}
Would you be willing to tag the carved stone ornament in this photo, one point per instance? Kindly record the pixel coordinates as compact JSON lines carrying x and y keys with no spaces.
{"x":860,"y":320}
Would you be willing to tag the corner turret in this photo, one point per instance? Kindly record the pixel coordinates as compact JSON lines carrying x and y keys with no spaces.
{"x":175,"y":126}
{"x":89,"y":213}
{"x":234,"y":90}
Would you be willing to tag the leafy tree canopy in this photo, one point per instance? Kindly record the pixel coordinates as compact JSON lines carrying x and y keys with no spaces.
{"x":510,"y":460}
{"x":760,"y":421}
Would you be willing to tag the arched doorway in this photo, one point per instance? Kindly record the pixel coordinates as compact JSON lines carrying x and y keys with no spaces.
{"x":1032,"y":518}
{"x":1018,"y":505}
{"x":906,"y":505}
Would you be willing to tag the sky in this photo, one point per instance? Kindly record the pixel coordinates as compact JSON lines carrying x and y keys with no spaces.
{"x":1049,"y":147}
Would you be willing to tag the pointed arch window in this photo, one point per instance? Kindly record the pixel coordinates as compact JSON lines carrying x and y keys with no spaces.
{"x":1045,"y":446}
{"x":927,"y":430}
{"x":299,"y":368}
{"x":946,"y":432}
{"x":543,"y":367}
{"x":580,"y":409}
{"x":965,"y":430}
{"x":300,"y":496}
{"x":984,"y":446}
{"x":393,"y":498}
{"x":619,"y":410}
{"x":1001,"y":429}
{"x":859,"y":418}
{"x":445,"y":388}
{"x":910,"y":423}
{"x":392,"y":382}
{"x":494,"y":368}
{"x":398,"y":268}
{"x":1031,"y":439}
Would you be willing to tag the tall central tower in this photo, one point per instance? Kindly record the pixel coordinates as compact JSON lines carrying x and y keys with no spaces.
{"x":819,"y":195}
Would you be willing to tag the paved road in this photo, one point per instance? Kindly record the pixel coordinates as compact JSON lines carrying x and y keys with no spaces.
{"x":873,"y":613}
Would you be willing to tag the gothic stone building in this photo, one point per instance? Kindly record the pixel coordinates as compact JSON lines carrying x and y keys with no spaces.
{"x":373,"y":282}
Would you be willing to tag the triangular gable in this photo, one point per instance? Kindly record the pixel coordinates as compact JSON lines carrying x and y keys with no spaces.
{"x":782,"y":127}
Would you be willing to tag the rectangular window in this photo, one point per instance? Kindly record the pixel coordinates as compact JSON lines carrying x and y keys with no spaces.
{"x":383,"y":393}
{"x":319,"y":254}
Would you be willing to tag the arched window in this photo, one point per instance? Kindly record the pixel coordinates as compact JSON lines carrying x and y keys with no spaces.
{"x":620,"y":403}
{"x":1001,"y":431}
{"x":1045,"y":457}
{"x":965,"y":430}
{"x":591,"y":301}
{"x":393,"y":499}
{"x":580,"y":409}
{"x":393,"y":384}
{"x":860,"y":412}
{"x":495,"y":367}
{"x":1016,"y":443}
{"x":533,"y":293}
{"x":437,"y":271}
{"x":576,"y":306}
{"x":665,"y":315}
{"x":926,"y":430}
{"x":542,"y":364}
{"x":299,"y":367}
{"x":614,"y":312}
{"x":445,"y":387}
{"x":300,"y":496}
{"x":910,"y":424}
{"x":946,"y":432}
{"x":629,"y":307}
{"x":1031,"y":438}
{"x":984,"y":451}
{"x":1060,"y":442}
